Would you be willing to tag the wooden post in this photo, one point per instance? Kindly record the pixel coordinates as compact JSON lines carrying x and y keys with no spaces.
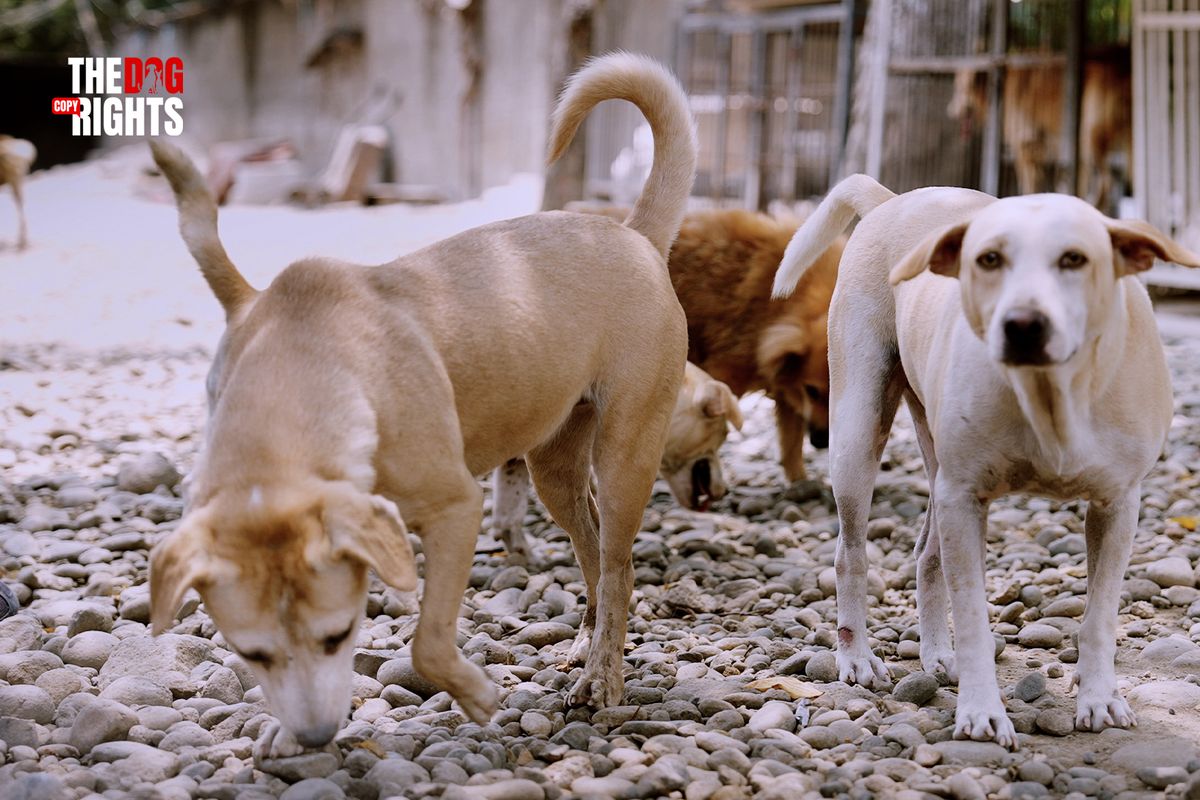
{"x":1073,"y":93}
{"x":566,"y":179}
{"x":845,"y":81}
{"x":752,"y":198}
{"x":879,"y":81}
{"x":993,"y":143}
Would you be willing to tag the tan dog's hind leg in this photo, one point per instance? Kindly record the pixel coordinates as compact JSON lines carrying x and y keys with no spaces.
{"x":937,"y":650}
{"x":448,"y":535}
{"x":791,"y":427}
{"x":510,"y":500}
{"x":1109,"y":531}
{"x":863,"y":401}
{"x":561,"y":470}
{"x":628,"y":447}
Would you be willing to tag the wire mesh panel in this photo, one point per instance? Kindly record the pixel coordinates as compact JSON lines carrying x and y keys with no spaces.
{"x":763,"y":89}
{"x":1008,"y":97}
{"x":1166,"y":69}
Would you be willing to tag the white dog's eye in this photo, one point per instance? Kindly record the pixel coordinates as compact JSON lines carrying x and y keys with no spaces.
{"x":1072,"y":259}
{"x":989,"y":260}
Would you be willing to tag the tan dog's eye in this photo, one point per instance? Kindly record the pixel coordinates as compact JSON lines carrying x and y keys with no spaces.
{"x":1072,"y":259}
{"x":813,"y":392}
{"x":989,"y":260}
{"x":332,"y":643}
{"x":264,"y":660}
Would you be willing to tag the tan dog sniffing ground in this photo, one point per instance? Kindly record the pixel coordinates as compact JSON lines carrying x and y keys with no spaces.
{"x":16,"y":157}
{"x":722,"y":266}
{"x":346,"y":402}
{"x":691,"y":466}
{"x":1039,"y":369}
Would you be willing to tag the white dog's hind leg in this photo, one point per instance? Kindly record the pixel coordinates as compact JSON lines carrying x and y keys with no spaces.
{"x":962,"y":527}
{"x":1109,"y":531}
{"x":510,"y":500}
{"x":561,"y":470}
{"x":863,"y":405}
{"x":448,"y":530}
{"x":937,"y":652}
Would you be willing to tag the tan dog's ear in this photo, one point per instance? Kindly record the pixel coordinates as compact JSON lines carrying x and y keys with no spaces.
{"x":367,"y":528}
{"x":717,"y":400}
{"x":178,"y":563}
{"x":939,"y":252}
{"x":1136,"y":244}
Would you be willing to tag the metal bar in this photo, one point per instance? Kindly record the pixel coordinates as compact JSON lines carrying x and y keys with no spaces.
{"x":778,"y":21}
{"x":791,"y":91}
{"x":755,"y":164}
{"x":1167,"y":21}
{"x":724,"y":53}
{"x":1073,"y":93}
{"x":1193,"y":90}
{"x":993,"y":130}
{"x":946,"y":65}
{"x":845,"y":84}
{"x":1178,"y":134}
{"x":1140,"y":100}
{"x":879,"y":82}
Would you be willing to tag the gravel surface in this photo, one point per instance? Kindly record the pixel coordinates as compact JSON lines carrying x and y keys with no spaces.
{"x":731,"y":684}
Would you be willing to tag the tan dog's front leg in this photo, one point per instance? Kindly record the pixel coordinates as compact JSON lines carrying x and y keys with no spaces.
{"x":962,"y":526}
{"x":449,"y":544}
{"x":1109,"y":531}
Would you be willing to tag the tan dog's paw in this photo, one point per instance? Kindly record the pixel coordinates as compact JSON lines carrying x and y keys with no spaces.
{"x":276,"y":741}
{"x":481,"y":700}
{"x":597,"y":690}
{"x":579,"y":648}
{"x":983,"y":723}
{"x":1097,"y":713}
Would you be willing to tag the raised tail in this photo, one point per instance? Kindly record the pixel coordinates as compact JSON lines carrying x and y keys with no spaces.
{"x":644,"y":82}
{"x":855,"y":196}
{"x":198,"y":227}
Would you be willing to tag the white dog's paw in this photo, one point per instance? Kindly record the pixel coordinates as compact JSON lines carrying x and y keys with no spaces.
{"x":1095,"y":713}
{"x":276,"y":741}
{"x":862,"y":667}
{"x":985,"y":723}
{"x":939,"y":658}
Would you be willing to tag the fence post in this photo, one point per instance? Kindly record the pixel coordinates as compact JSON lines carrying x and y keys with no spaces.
{"x":845,"y":82}
{"x":1073,"y":93}
{"x":993,"y":131}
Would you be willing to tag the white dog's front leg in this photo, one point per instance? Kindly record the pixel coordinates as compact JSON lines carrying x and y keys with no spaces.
{"x":1109,"y":531}
{"x":962,"y":527}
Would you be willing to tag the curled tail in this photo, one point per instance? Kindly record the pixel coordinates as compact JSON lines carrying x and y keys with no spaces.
{"x":198,"y":227}
{"x":644,"y":82}
{"x":855,"y":196}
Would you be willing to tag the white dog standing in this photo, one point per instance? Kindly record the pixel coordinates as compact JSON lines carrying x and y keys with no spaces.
{"x":1038,"y":370}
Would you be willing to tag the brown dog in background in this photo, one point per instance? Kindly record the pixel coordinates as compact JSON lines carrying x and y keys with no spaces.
{"x":722,"y":266}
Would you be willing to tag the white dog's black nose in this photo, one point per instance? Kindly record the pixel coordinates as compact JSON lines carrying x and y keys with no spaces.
{"x":1026,"y":332}
{"x":317,"y":736}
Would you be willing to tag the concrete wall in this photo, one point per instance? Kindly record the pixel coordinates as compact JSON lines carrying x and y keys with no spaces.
{"x":474,"y":103}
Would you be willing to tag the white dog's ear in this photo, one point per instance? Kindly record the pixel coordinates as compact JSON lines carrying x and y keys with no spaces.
{"x":939,"y":253}
{"x":367,"y":528}
{"x":177,"y":563}
{"x":717,"y":400}
{"x":1136,"y":244}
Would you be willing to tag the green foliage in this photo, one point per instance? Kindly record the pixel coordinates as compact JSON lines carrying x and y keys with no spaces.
{"x":57,"y":32}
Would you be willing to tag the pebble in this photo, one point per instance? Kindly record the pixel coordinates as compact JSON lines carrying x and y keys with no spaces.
{"x":916,"y":687}
{"x":1030,"y":687}
{"x":1172,"y":571}
{"x":1039,"y":635}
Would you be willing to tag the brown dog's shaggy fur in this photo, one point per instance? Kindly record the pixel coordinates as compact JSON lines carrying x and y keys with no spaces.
{"x":722,"y":266}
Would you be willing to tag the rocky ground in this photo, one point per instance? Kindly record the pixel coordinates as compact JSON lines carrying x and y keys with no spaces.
{"x":731,"y":686}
